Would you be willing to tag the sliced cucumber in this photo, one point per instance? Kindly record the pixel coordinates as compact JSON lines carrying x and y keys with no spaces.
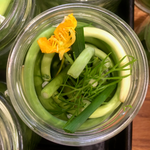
{"x":3,"y":6}
{"x":119,"y":52}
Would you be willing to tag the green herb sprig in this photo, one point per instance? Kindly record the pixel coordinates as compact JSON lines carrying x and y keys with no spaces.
{"x":80,"y":89}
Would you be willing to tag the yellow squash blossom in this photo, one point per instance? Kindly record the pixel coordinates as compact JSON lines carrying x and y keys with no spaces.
{"x":63,"y":38}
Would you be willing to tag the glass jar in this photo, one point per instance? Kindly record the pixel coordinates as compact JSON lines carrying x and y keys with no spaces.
{"x":18,"y":13}
{"x":14,"y":134}
{"x":143,"y":5}
{"x":143,"y":31}
{"x":108,"y":4}
{"x":36,"y":117}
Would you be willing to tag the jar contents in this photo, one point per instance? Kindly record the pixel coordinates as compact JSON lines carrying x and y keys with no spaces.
{"x":4,"y":4}
{"x":76,"y":76}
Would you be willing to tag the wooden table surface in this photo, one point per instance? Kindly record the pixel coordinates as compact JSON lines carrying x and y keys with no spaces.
{"x":141,"y":123}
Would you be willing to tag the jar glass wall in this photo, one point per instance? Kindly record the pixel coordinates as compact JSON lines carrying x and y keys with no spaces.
{"x":14,"y":134}
{"x":36,"y":117}
{"x":143,"y":32}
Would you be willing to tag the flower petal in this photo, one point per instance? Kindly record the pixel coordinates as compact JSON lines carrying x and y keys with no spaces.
{"x":63,"y":38}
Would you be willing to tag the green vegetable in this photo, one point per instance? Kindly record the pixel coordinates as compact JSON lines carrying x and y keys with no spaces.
{"x":28,"y":80}
{"x":102,"y":55}
{"x":100,"y":44}
{"x":53,"y":86}
{"x":4,"y":4}
{"x":72,"y":126}
{"x":46,"y":66}
{"x":90,"y":74}
{"x":79,"y":44}
{"x":80,"y":62}
{"x":118,"y":53}
{"x":69,"y":59}
{"x":48,"y":104}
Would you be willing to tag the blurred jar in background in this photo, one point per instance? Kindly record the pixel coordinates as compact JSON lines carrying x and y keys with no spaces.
{"x":111,"y":5}
{"x":14,"y":134}
{"x":14,"y":14}
{"x":142,"y":27}
{"x":144,"y":35}
{"x":143,"y":5}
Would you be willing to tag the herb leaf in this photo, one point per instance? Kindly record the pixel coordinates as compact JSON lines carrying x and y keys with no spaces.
{"x":72,"y":126}
{"x":79,"y":44}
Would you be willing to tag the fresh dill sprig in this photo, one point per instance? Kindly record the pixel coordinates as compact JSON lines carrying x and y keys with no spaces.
{"x":81,"y":89}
